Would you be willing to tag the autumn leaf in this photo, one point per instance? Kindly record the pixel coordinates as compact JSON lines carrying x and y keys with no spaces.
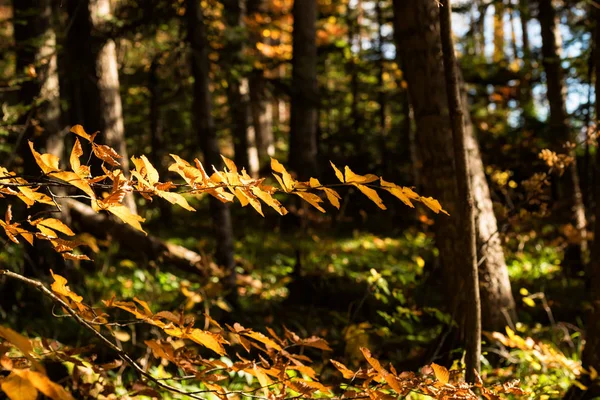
{"x":312,"y":199}
{"x":433,"y":204}
{"x":372,"y":195}
{"x":286,"y":181}
{"x":106,"y":154}
{"x":229,"y":164}
{"x":441,"y":373}
{"x":389,"y":378}
{"x":208,"y":340}
{"x":338,"y":173}
{"x":79,"y":131}
{"x":125,"y":215}
{"x":346,"y":372}
{"x":351,"y":177}
{"x":54,"y":224}
{"x":17,"y":387}
{"x":22,"y":343}
{"x":59,"y":286}
{"x":35,"y":196}
{"x":47,"y":162}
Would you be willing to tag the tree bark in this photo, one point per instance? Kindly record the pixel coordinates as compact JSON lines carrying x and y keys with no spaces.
{"x":94,"y":77}
{"x":468,"y":262}
{"x":559,"y":124}
{"x":499,"y":9}
{"x":207,"y":137}
{"x":303,"y":124}
{"x":243,"y":133}
{"x":418,"y":44}
{"x":591,"y":351}
{"x":526,"y":92}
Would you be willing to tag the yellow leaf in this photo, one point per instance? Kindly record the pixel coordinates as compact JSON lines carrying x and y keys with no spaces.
{"x":59,"y":286}
{"x":346,"y":372}
{"x":17,"y":387}
{"x":262,"y":338}
{"x":389,"y":378}
{"x":580,"y":385}
{"x":372,"y":195}
{"x":312,"y":199}
{"x":175,"y":198}
{"x":35,"y":196}
{"x":286,"y":181}
{"x":529,"y":301}
{"x":74,"y":160}
{"x":314,"y":182}
{"x":56,"y":225}
{"x":263,"y":379}
{"x":441,"y":373}
{"x":338,"y":173}
{"x":269,"y":200}
{"x":151,"y":172}
{"x":125,"y":215}
{"x":351,"y":177}
{"x":333,"y":197}
{"x":78,"y":130}
{"x":229,"y":164}
{"x":208,"y":339}
{"x":75,"y":180}
{"x":47,"y":162}
{"x":399,"y":192}
{"x":42,"y":383}
{"x":433,"y":204}
{"x":22,"y":343}
{"x":593,"y":373}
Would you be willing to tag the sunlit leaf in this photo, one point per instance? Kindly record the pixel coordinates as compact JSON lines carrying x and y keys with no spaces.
{"x":59,"y":286}
{"x":78,"y":130}
{"x":351,"y":177}
{"x":433,"y":204}
{"x":441,"y":373}
{"x":372,"y":195}
{"x":338,"y":173}
{"x":125,"y":215}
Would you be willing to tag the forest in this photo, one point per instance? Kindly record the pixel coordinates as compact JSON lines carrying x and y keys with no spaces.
{"x":299,"y":199}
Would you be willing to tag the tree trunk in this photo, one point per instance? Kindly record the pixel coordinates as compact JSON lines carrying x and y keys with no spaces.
{"x":591,"y":352}
{"x":242,"y":131}
{"x":417,"y":38}
{"x":526,"y":92}
{"x":94,"y":78}
{"x":207,"y":137}
{"x":499,"y":9}
{"x":303,"y":124}
{"x":468,"y":262}
{"x":561,"y":130}
{"x":36,"y":48}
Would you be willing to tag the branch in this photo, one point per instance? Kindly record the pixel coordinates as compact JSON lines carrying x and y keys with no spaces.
{"x":120,"y":352}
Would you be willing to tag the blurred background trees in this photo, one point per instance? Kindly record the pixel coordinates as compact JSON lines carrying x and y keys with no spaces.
{"x":358,"y":82}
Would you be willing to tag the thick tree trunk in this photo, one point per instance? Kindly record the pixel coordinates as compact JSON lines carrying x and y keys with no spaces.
{"x":468,"y":261}
{"x":561,"y":130}
{"x":36,"y":48}
{"x":94,"y":78}
{"x":207,"y":137}
{"x":303,"y":124}
{"x":417,"y":37}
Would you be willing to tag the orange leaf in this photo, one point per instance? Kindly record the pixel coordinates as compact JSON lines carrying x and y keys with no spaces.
{"x":351,"y":177}
{"x":441,"y":373}
{"x":372,"y":195}
{"x":78,"y":130}
{"x":346,"y":372}
{"x":338,"y":173}
{"x":125,"y":215}
{"x":312,"y":199}
{"x":59,"y":286}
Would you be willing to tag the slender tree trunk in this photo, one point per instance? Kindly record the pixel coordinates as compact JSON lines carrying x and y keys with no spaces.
{"x":418,"y":44}
{"x":94,"y":77}
{"x":207,"y":137}
{"x":513,"y":33}
{"x":243,"y":132}
{"x":559,"y":124}
{"x":526,"y":92}
{"x":499,"y":9}
{"x":381,"y":95}
{"x":261,"y":104}
{"x":463,"y":179}
{"x":157,"y":141}
{"x":304,"y":114}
